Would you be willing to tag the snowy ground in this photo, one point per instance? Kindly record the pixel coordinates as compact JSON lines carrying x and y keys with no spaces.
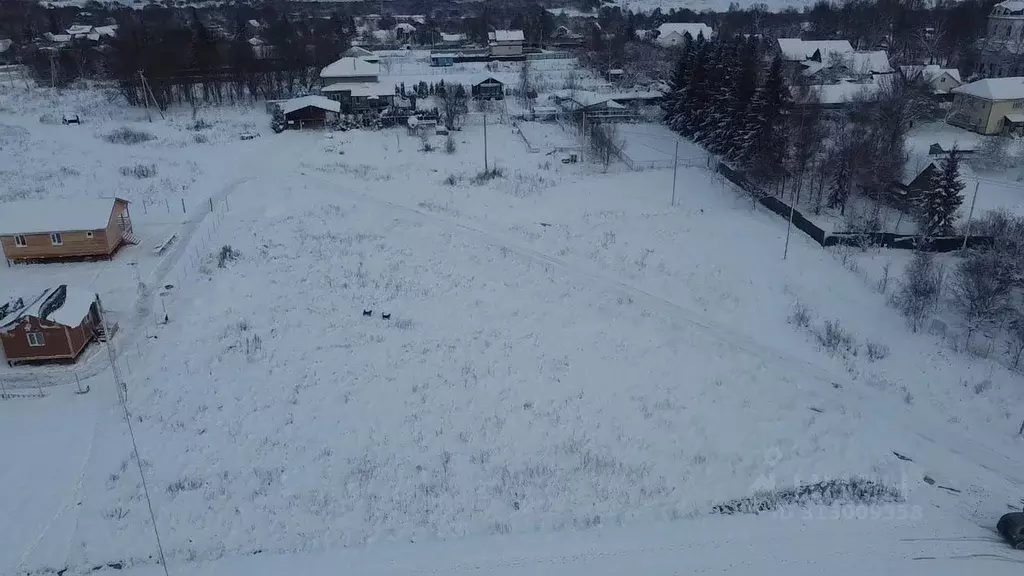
{"x":568,"y":358}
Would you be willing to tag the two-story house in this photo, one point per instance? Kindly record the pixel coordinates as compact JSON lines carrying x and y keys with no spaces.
{"x":989,"y":106}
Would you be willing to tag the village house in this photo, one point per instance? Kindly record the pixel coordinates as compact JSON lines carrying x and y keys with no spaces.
{"x":487,"y":88}
{"x":672,"y":34}
{"x":989,"y":106}
{"x":309,"y":111}
{"x":940,"y":80}
{"x":41,"y":230}
{"x":1001,"y":52}
{"x":349,"y":70}
{"x":506,"y":43}
{"x":55,"y":326}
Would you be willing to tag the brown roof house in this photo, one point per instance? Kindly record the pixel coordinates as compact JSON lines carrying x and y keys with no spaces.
{"x":55,"y":326}
{"x":41,"y":230}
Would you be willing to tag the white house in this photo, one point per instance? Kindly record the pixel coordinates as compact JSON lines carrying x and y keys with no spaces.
{"x":506,"y":43}
{"x":349,"y":70}
{"x":824,"y":51}
{"x":941,"y":80}
{"x":674,"y":33}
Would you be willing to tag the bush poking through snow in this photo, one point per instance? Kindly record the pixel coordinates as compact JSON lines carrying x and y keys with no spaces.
{"x":199,"y":124}
{"x":185,"y":484}
{"x":129,"y":136}
{"x":827,"y":493}
{"x":227,"y":254}
{"x":876,"y":351}
{"x":425,"y":144}
{"x":449,"y":145}
{"x":139,"y":171}
{"x":485,"y":176}
{"x":452,"y":180}
{"x":919,"y":292}
{"x":200,"y":138}
{"x":836,"y":339}
{"x":801,"y":316}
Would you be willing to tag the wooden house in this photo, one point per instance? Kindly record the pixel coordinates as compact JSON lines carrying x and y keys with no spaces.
{"x":55,"y":326}
{"x":487,"y":88}
{"x":309,"y":111}
{"x":42,"y":230}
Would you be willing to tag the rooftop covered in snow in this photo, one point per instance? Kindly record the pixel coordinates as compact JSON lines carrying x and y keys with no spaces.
{"x":795,"y":49}
{"x":72,"y":306}
{"x":350,"y":67}
{"x":682,"y":28}
{"x":289,"y":106}
{"x":994,"y":88}
{"x":58,"y":215}
{"x":366,"y":89}
{"x":506,"y":36}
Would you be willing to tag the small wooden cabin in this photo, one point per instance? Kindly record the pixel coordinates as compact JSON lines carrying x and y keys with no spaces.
{"x":55,"y":326}
{"x":488,"y":88}
{"x":309,"y":111}
{"x":42,"y":230}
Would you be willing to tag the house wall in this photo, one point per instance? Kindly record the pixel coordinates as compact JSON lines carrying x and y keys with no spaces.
{"x":347,"y":80}
{"x":56,"y":341}
{"x":120,"y":221}
{"x":971,"y":113}
{"x":77,"y":243}
{"x":504,"y":50}
{"x":999,"y":110}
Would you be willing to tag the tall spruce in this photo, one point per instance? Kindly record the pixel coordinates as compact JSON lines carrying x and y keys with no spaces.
{"x":745,"y":89}
{"x":765,"y":137}
{"x":943,"y":197}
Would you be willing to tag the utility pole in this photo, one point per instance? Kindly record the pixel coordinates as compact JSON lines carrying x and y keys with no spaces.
{"x":970,"y":214}
{"x":145,"y":95}
{"x":789,"y":226}
{"x":485,"y":143}
{"x":675,"y":169}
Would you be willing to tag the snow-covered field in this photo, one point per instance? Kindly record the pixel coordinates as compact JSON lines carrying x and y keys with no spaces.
{"x":567,"y":358}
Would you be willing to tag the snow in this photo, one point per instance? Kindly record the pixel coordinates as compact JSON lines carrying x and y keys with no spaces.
{"x":349,"y":67}
{"x":404,"y":27}
{"x":871,"y":62}
{"x":796,"y":49}
{"x":44,"y":216}
{"x":1011,"y":5}
{"x":994,"y":88}
{"x":844,"y":91}
{"x":507,"y":36}
{"x":695,"y":29}
{"x":573,"y":373}
{"x":289,"y":106}
{"x":445,"y":37}
{"x":77,"y":303}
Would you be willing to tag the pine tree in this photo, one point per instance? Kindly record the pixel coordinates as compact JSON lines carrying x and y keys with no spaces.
{"x":277,"y":120}
{"x":839,"y":190}
{"x":765,"y":136}
{"x":940,"y":201}
{"x":744,"y":92}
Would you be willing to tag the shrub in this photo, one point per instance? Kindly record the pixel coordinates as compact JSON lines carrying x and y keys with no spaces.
{"x":826,"y":493}
{"x":449,"y":145}
{"x":425,"y":144}
{"x":199,"y":124}
{"x":139,"y":170}
{"x":49,"y":118}
{"x":227,"y":254}
{"x":836,"y":339}
{"x":200,"y":138}
{"x":452,"y":180}
{"x":129,"y":136}
{"x":801,"y":315}
{"x":485,"y":176}
{"x":876,"y":351}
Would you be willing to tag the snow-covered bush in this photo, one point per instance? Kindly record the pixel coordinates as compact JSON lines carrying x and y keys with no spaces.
{"x":836,"y":339}
{"x":827,"y":493}
{"x":801,"y":316}
{"x":485,"y":176}
{"x":449,"y":145}
{"x":227,"y":254}
{"x":876,"y":351}
{"x":139,"y":171}
{"x":129,"y":136}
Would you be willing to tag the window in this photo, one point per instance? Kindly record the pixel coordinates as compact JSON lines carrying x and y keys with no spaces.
{"x":57,"y":239}
{"x":35,"y":339}
{"x":19,"y":241}
{"x":88,"y":234}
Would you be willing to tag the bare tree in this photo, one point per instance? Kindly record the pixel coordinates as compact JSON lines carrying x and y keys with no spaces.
{"x":919,"y":293}
{"x":1015,"y":346}
{"x":525,"y":89}
{"x":454,"y":104}
{"x":981,"y":289}
{"x":604,"y":141}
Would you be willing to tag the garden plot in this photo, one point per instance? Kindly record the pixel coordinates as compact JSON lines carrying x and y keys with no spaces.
{"x":547,"y":137}
{"x":654,"y":146}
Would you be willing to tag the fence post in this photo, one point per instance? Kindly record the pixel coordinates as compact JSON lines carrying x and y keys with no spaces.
{"x":211,"y":204}
{"x":183,"y":206}
{"x":167,"y":204}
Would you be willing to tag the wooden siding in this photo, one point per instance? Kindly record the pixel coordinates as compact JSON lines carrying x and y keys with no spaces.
{"x":59,"y":342}
{"x":77,"y":243}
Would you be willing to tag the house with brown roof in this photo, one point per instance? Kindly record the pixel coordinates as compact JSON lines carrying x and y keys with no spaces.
{"x":42,"y":230}
{"x":55,"y":326}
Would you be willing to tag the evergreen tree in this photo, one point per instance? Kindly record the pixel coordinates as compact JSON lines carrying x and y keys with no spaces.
{"x":839,"y":189}
{"x":744,"y":92}
{"x":765,"y":137}
{"x":939,"y":203}
{"x":673,"y":103}
{"x":277,"y":120}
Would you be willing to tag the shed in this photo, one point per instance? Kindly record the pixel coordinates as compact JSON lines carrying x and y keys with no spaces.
{"x":442,"y":59}
{"x":40,"y":230}
{"x":487,"y":87}
{"x":56,"y":325}
{"x":308,"y":111}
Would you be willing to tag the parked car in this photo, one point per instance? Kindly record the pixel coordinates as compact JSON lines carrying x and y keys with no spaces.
{"x":1011,"y":526}
{"x":249,"y":135}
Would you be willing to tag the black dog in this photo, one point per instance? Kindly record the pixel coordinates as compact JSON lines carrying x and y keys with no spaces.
{"x":386,"y":316}
{"x":367,"y":312}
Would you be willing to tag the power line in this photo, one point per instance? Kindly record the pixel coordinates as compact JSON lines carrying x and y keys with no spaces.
{"x":122,"y":394}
